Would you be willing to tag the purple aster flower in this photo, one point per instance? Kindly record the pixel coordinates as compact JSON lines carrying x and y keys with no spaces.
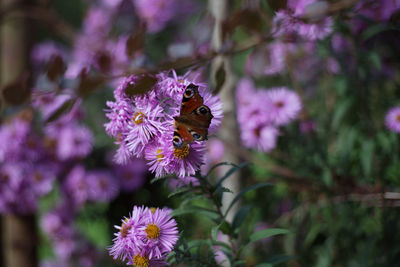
{"x":142,"y":260}
{"x":392,"y":119}
{"x":286,"y":105}
{"x":42,"y":53}
{"x":156,"y":13}
{"x":76,"y":186}
{"x":269,"y":60}
{"x":102,"y":185}
{"x":122,"y":155}
{"x":160,"y":233}
{"x":97,"y":21}
{"x":261,"y":137}
{"x":119,"y":114}
{"x":76,"y":141}
{"x":155,"y":155}
{"x":58,"y":221}
{"x":131,"y":176}
{"x":127,"y":242}
{"x":145,"y":125}
{"x":42,"y":178}
{"x":289,"y":22}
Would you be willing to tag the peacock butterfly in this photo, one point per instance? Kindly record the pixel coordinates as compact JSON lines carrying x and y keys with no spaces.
{"x":194,"y":118}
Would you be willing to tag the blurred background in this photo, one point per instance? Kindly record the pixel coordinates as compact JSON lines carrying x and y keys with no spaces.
{"x":332,"y":158}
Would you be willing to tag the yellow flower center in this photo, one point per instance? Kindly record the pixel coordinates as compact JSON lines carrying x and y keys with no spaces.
{"x":159,"y":155}
{"x":398,"y":118}
{"x":140,"y":261}
{"x":152,"y":231}
{"x":125,"y":229}
{"x":181,"y":152}
{"x":153,"y":210}
{"x":138,"y":118}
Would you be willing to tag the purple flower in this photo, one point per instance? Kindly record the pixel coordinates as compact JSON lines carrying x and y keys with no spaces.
{"x":261,"y":137}
{"x":144,"y":124}
{"x":131,"y":176}
{"x":42,"y":53}
{"x":285,"y":107}
{"x":119,"y":114}
{"x":160,"y":233}
{"x":127,"y":242}
{"x":156,"y":13}
{"x":392,"y":119}
{"x":102,"y":185}
{"x":289,"y":22}
{"x":76,"y":185}
{"x":269,"y":60}
{"x":75,"y":141}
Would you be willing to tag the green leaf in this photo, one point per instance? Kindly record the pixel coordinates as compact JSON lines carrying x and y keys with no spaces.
{"x":230,"y":172}
{"x":279,"y":258}
{"x":225,"y":228}
{"x":243,"y":192}
{"x":212,"y":214}
{"x":219,"y":165}
{"x":367,"y":153}
{"x":220,"y":76}
{"x":275,"y":260}
{"x":214,"y":232}
{"x":63,"y":109}
{"x":240,"y":216}
{"x":340,"y":111}
{"x":264,"y":265}
{"x":179,"y":191}
{"x":267,"y":233}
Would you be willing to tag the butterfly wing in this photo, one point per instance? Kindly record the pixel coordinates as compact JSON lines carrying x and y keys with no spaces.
{"x":194,"y":119}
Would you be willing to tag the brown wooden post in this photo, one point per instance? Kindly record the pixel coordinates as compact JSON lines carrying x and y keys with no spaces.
{"x":19,"y":237}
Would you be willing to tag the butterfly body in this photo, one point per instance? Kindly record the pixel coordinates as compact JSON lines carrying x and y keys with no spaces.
{"x":194,"y":120}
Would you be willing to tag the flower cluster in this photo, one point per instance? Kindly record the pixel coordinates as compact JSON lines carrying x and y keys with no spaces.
{"x":290,"y":22}
{"x":26,"y":169}
{"x":261,"y":112}
{"x":68,"y":244}
{"x":146,"y":237}
{"x":143,"y":125}
{"x":157,"y":13}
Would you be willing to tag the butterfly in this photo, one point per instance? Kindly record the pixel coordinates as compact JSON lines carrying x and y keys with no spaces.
{"x":194,"y":119}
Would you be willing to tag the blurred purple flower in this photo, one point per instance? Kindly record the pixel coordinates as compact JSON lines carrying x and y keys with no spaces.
{"x":285,"y":107}
{"x":76,"y":142}
{"x":42,"y":52}
{"x":157,"y":13}
{"x":307,"y":127}
{"x":131,"y":176}
{"x":263,"y":138}
{"x":290,"y":22}
{"x":392,"y":119}
{"x":76,"y":186}
{"x":103,"y":186}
